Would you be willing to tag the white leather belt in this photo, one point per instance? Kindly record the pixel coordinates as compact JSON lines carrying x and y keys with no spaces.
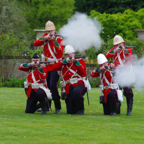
{"x":112,"y":86}
{"x":33,"y":85}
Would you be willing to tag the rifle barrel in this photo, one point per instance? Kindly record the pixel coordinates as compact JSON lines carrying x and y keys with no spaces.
{"x":44,"y":62}
{"x":133,"y":47}
{"x":56,"y":35}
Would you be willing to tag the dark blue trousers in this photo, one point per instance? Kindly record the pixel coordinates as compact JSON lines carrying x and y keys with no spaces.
{"x":52,"y":79}
{"x":75,"y":100}
{"x":33,"y":99}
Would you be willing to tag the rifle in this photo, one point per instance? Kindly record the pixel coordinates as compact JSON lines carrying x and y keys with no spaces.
{"x":111,"y":67}
{"x":132,"y":47}
{"x":43,"y":62}
{"x":77,"y":57}
{"x":56,"y":35}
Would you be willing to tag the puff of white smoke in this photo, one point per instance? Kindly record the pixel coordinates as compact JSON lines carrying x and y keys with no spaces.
{"x":131,"y":76}
{"x":82,"y":32}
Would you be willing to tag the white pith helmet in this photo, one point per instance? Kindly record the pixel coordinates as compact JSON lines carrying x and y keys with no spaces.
{"x":69,"y":49}
{"x":101,"y":59}
{"x":117,"y":40}
{"x":49,"y":26}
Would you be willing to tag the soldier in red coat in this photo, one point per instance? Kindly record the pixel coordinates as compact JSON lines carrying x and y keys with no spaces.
{"x":53,"y":52}
{"x":108,"y":87}
{"x":122,"y":57}
{"x":35,"y":85}
{"x":73,"y":71}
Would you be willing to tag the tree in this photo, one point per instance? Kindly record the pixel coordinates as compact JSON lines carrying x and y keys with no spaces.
{"x":39,"y":12}
{"x":10,"y":46}
{"x":121,"y":23}
{"x":108,"y":6}
{"x":11,"y":19}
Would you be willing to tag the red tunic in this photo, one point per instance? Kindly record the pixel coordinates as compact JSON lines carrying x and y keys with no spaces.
{"x":108,"y":76}
{"x":122,"y":58}
{"x":39,"y":74}
{"x":56,"y":48}
{"x":79,"y":67}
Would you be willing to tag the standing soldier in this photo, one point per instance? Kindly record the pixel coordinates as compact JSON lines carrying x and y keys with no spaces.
{"x":35,"y":85}
{"x":122,"y":57}
{"x":73,"y":71}
{"x":53,"y":52}
{"x":110,"y":102}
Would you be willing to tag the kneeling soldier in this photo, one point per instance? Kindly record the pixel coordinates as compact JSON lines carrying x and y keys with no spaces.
{"x":73,"y":71}
{"x":111,"y":105}
{"x":35,"y":85}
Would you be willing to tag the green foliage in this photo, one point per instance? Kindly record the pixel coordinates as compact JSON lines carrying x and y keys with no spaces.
{"x":39,"y":51}
{"x":92,"y":84}
{"x":39,"y":12}
{"x":11,"y":19}
{"x":1,"y":83}
{"x":13,"y":82}
{"x":108,"y":6}
{"x":122,"y":24}
{"x":10,"y":45}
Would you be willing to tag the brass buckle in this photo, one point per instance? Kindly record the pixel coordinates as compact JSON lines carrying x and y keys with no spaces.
{"x":68,"y":81}
{"x":106,"y":87}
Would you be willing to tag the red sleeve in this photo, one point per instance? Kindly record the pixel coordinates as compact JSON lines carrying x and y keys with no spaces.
{"x":111,"y":53}
{"x":57,"y":66}
{"x":94,"y":73}
{"x":24,"y":67}
{"x":40,"y":41}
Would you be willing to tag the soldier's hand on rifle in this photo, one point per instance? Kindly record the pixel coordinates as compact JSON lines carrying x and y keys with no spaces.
{"x":117,"y":50}
{"x":68,"y":59}
{"x":33,"y":64}
{"x":47,"y":37}
{"x":102,"y":69}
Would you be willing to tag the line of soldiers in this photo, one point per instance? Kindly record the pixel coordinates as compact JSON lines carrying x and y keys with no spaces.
{"x":41,"y":84}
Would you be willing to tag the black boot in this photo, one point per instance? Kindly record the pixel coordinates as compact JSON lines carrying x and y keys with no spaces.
{"x":129,"y":106}
{"x":80,"y":107}
{"x":113,"y":110}
{"x":38,"y":106}
{"x":57,"y":106}
{"x":118,"y":107}
{"x":44,"y":107}
{"x":81,"y":112}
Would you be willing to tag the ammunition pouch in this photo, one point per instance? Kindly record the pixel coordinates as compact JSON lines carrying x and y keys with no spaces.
{"x":63,"y":95}
{"x":62,"y":84}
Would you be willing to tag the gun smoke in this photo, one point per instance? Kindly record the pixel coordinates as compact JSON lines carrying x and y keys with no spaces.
{"x":131,"y":76}
{"x":82,"y":32}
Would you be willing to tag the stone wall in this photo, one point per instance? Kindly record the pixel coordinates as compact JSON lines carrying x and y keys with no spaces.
{"x":10,"y":67}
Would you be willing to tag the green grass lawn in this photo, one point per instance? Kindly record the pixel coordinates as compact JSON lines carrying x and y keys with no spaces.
{"x":92,"y":128}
